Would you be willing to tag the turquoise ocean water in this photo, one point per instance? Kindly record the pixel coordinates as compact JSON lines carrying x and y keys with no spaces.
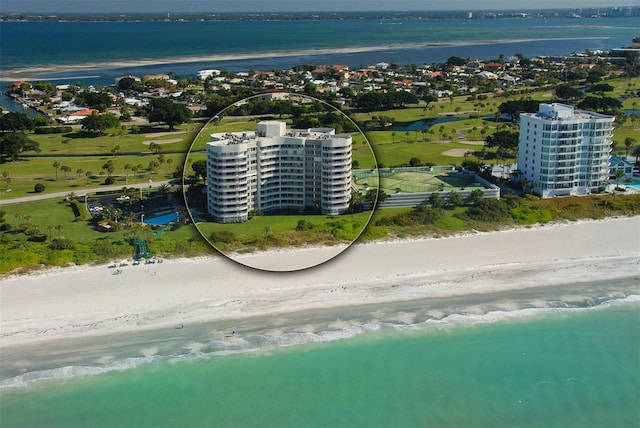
{"x":553,"y":367}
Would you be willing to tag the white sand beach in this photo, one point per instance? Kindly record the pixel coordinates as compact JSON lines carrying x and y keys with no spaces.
{"x":91,"y":300}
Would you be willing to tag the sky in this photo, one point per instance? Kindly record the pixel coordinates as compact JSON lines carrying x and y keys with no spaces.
{"x":150,"y":6}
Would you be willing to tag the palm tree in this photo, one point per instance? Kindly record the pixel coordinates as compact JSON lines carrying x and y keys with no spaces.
{"x":58,"y":227}
{"x":109,"y":167}
{"x":65,"y":169}
{"x":618,"y":174}
{"x":628,"y":143}
{"x":164,"y":189}
{"x":17,"y":217}
{"x":56,"y":165}
{"x":153,"y":166}
{"x":636,"y":153}
{"x":127,"y":167}
{"x":79,"y":171}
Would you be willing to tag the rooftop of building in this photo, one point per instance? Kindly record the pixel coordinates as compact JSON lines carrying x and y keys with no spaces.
{"x":248,"y":136}
{"x":559,"y":111}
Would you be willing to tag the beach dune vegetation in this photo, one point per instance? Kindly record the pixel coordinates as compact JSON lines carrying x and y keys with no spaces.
{"x":488,"y":210}
{"x":223,"y":236}
{"x":526,"y":214}
{"x":421,"y":215}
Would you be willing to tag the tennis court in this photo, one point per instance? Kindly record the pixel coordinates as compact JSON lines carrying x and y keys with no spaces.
{"x":417,"y":181}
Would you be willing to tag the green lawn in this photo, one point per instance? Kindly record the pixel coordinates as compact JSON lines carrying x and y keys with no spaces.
{"x":280,"y":231}
{"x":26,"y":172}
{"x":80,"y":142}
{"x":64,"y":149}
{"x":48,"y":214}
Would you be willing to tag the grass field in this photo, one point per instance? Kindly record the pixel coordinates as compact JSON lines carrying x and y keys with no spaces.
{"x":84,"y":153}
{"x":262,"y":232}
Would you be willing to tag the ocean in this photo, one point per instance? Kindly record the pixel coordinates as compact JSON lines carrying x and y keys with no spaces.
{"x":526,"y":358}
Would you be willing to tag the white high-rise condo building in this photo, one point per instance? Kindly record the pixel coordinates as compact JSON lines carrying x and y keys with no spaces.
{"x":564,"y":151}
{"x":274,"y":169}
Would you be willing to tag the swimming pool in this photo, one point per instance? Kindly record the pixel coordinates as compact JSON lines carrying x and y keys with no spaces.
{"x":162,"y":220}
{"x":635,"y":183}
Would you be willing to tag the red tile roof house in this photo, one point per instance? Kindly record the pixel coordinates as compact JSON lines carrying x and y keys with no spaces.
{"x":587,"y":66}
{"x":19,"y":86}
{"x":77,"y":116}
{"x":494,"y":66}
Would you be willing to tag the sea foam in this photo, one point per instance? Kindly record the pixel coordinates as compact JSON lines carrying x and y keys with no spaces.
{"x":263,"y":343}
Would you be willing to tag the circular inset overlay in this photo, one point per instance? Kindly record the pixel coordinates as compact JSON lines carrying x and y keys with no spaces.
{"x":270,"y":182}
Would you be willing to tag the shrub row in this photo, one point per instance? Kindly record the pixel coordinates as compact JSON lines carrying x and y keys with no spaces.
{"x":80,"y":210}
{"x":53,"y":130}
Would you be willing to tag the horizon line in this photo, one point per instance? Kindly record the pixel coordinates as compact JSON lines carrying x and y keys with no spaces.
{"x":311,"y":12}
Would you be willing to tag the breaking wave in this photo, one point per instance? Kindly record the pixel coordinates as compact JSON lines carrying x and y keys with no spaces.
{"x":263,"y":342}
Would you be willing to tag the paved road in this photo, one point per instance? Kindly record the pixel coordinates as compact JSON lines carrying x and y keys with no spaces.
{"x":81,"y":192}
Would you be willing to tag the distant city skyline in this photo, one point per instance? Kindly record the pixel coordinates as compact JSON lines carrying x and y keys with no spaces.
{"x":220,"y":6}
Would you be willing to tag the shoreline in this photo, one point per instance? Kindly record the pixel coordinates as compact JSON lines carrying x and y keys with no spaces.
{"x":89,"y":301}
{"x":37,"y":71}
{"x":25,"y":364}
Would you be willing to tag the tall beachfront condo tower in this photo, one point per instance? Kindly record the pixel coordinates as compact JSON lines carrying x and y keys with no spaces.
{"x":275,"y":169}
{"x":564,"y":151}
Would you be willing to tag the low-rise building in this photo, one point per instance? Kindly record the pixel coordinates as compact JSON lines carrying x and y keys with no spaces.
{"x":619,"y":164}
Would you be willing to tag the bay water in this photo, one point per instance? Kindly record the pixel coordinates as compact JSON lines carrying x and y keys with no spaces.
{"x":185,"y":47}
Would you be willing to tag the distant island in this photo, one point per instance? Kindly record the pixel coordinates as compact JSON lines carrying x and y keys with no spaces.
{"x":480,"y":13}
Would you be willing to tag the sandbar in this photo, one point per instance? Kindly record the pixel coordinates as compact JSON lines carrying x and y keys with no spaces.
{"x":35,"y":72}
